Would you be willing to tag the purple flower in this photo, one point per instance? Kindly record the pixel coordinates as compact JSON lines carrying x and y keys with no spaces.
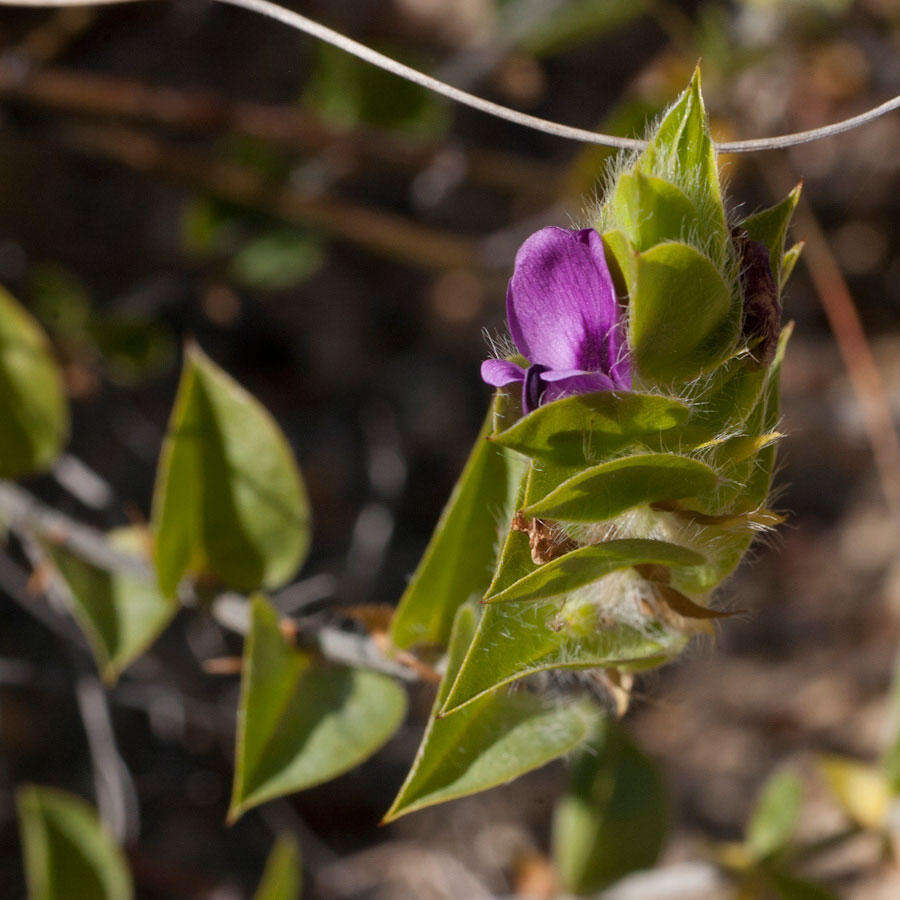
{"x":564,"y":319}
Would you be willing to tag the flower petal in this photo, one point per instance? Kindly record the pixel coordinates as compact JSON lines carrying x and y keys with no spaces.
{"x":561,"y":302}
{"x":500,"y":372}
{"x":567,"y":386}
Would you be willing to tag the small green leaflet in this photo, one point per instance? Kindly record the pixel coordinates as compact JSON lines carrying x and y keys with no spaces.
{"x":33,"y":405}
{"x":586,"y":564}
{"x":282,"y":878}
{"x":121,"y":614}
{"x":774,"y":819}
{"x":492,"y":741}
{"x":514,"y":640}
{"x":229,"y":500}
{"x":788,"y":261}
{"x":769,"y":227}
{"x":68,"y":853}
{"x":683,"y":320}
{"x":614,"y":816}
{"x":460,"y":557}
{"x":300,"y":721}
{"x":587,"y":427}
{"x":603,"y":492}
{"x":650,"y":210}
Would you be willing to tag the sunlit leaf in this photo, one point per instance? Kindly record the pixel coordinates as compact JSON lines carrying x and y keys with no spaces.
{"x":589,"y":427}
{"x":121,"y":613}
{"x":302,"y":722}
{"x":862,"y":790}
{"x":788,"y":261}
{"x":603,"y":492}
{"x":34,"y":412}
{"x":68,"y":853}
{"x":514,"y":640}
{"x":650,"y":210}
{"x":493,"y":740}
{"x":614,"y":816}
{"x":229,"y":499}
{"x":282,"y":878}
{"x":774,"y":820}
{"x":586,"y":564}
{"x":683,"y":321}
{"x":459,"y":559}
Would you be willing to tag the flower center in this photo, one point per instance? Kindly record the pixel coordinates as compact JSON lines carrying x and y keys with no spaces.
{"x":533,"y":387}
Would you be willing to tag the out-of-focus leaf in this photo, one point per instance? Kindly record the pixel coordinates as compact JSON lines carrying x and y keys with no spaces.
{"x":603,"y":492}
{"x":493,"y":740}
{"x":133,"y":348}
{"x":229,"y":499}
{"x":349,"y":92}
{"x":208,"y":227}
{"x":863,"y":791}
{"x":460,"y":557}
{"x":277,"y":260}
{"x":788,"y":261}
{"x":301,"y":722}
{"x":34,"y":412}
{"x":614,"y":816}
{"x":890,"y":761}
{"x":650,"y":210}
{"x":121,"y":614}
{"x":68,"y":853}
{"x":683,"y":321}
{"x":587,"y":427}
{"x":514,"y":640}
{"x":769,"y":227}
{"x":774,"y":820}
{"x":282,"y":878}
{"x":586,"y":564}
{"x":788,"y":886}
{"x":578,"y":22}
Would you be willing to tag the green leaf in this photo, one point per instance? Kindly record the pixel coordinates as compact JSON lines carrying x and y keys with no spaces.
{"x":621,"y":258}
{"x":301,"y":722}
{"x":603,"y":492}
{"x":769,"y":227}
{"x":121,"y":614}
{"x":587,"y":427}
{"x":863,"y":791}
{"x":68,"y":853}
{"x":277,"y":260}
{"x":788,"y":261}
{"x":650,"y":210}
{"x":614,"y":816}
{"x":774,"y":819}
{"x":514,"y":640}
{"x":683,"y":321}
{"x":229,"y":499}
{"x":586,"y":564}
{"x":789,"y":887}
{"x":460,"y":556}
{"x":682,"y":152}
{"x":34,"y":411}
{"x":282,"y":878}
{"x":493,"y":740}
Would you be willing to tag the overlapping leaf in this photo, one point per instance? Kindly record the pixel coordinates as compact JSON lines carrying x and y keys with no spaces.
{"x":769,"y":227}
{"x":301,"y":722}
{"x":587,"y":427}
{"x":121,"y":613}
{"x":34,"y":410}
{"x":650,"y":210}
{"x":460,"y":557}
{"x":68,"y":853}
{"x":229,"y":500}
{"x":497,"y":738}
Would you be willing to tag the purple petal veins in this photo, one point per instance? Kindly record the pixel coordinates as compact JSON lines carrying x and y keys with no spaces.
{"x":564,"y":318}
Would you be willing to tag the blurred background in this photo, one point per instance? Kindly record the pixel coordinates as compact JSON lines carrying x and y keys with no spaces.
{"x":338,"y":240}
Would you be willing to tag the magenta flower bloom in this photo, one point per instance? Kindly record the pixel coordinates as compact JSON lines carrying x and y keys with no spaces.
{"x":565,"y":320}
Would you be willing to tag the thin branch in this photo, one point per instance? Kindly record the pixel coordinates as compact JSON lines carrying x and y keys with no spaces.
{"x":315,"y":29}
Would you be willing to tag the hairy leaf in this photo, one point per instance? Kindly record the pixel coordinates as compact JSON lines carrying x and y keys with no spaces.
{"x":460,"y":557}
{"x":650,"y":210}
{"x":229,"y":499}
{"x":121,"y":614}
{"x":587,"y":427}
{"x":603,"y":492}
{"x":769,"y":227}
{"x":586,"y":564}
{"x":34,"y":411}
{"x":614,"y":816}
{"x":497,"y":738}
{"x":68,"y":853}
{"x":301,"y":722}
